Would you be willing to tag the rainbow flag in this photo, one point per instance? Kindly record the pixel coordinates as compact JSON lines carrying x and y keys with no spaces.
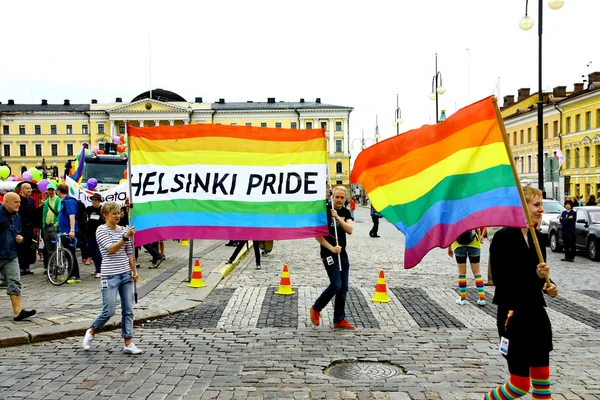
{"x":439,"y":181}
{"x":207,"y":181}
{"x":78,"y":166}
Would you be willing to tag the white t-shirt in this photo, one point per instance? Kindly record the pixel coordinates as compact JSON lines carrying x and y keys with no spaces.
{"x":117,"y":263}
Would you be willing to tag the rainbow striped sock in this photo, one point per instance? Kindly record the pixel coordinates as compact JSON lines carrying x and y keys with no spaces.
{"x":462,"y":286}
{"x":516,"y":387}
{"x":540,"y":383}
{"x":480,"y":288}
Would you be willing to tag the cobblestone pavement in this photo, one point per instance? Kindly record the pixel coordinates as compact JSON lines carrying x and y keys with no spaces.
{"x":244,"y":341}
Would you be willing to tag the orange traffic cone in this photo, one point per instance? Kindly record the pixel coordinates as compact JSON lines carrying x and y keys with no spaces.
{"x":285,"y":286}
{"x":185,"y":242}
{"x":196,"y":281}
{"x":381,"y":295}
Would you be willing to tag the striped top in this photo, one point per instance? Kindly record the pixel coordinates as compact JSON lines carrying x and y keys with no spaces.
{"x":117,"y":263}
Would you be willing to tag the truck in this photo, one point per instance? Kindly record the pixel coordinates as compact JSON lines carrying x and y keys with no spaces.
{"x":107,"y":169}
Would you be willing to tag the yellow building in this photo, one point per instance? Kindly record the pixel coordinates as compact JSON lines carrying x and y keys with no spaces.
{"x":34,"y":134}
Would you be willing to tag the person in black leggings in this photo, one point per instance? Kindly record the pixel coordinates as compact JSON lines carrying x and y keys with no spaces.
{"x":239,"y":248}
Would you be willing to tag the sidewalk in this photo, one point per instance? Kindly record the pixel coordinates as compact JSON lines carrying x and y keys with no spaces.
{"x":69,"y":310}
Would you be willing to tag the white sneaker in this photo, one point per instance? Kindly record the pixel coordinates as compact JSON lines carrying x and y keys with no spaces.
{"x":481,"y":302}
{"x":87,"y":340}
{"x":461,"y":302}
{"x":131,"y":349}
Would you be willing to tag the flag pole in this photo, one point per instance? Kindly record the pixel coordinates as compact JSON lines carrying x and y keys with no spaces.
{"x":135,"y":292}
{"x":337,"y":243}
{"x":536,"y":243}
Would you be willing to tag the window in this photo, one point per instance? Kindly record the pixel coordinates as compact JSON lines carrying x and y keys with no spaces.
{"x":5,"y":130}
{"x":324,"y":125}
{"x":277,"y":124}
{"x":85,"y":131}
{"x":522,"y":137}
{"x":568,"y":125}
{"x":248,"y":123}
{"x":555,"y":129}
{"x":69,"y":129}
{"x":338,"y":126}
{"x":338,"y":145}
{"x":598,"y":118}
{"x":38,"y":129}
{"x":545,"y":131}
{"x":38,"y":150}
{"x":121,"y":129}
{"x":308,"y":125}
{"x":293,"y":125}
{"x":53,"y":129}
{"x":263,"y":124}
{"x":522,"y":164}
{"x":597,"y":155}
{"x":7,"y":150}
{"x":528,"y":163}
{"x":54,"y":149}
{"x":578,"y":123}
{"x":151,"y":124}
{"x":101,"y":128}
{"x":23,"y":150}
{"x":588,"y":120}
{"x":21,"y":129}
{"x":515,"y":138}
{"x":508,"y":134}
{"x":338,"y":168}
{"x":69,"y":149}
{"x":339,"y":182}
{"x":528,"y":135}
{"x":586,"y":155}
{"x":576,"y":155}
{"x":233,"y":124}
{"x":568,"y":158}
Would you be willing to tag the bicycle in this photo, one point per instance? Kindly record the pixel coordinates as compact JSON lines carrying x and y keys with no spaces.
{"x":60,"y":264}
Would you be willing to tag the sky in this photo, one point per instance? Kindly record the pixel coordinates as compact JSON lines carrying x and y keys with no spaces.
{"x":358,"y":54}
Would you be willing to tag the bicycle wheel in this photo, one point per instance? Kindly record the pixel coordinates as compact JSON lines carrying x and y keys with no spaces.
{"x":60,"y":267}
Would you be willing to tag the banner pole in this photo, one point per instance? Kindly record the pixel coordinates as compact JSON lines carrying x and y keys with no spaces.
{"x":337,"y":243}
{"x":518,"y":183}
{"x":135,"y":292}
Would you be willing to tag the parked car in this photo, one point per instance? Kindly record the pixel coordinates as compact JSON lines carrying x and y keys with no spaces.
{"x":552,"y":209}
{"x":587,"y":229}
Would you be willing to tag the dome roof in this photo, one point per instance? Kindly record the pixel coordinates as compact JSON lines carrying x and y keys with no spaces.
{"x":160,"y":95}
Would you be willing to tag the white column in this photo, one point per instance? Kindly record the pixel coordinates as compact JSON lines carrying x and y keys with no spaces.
{"x":302,"y":123}
{"x":331,"y":137}
{"x":171,"y":122}
{"x":156,"y":122}
{"x":186,"y":121}
{"x":346,"y":137}
{"x":113,"y":131}
{"x":141,"y":122}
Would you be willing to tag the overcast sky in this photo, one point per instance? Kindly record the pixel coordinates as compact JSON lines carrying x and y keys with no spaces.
{"x":352,"y":53}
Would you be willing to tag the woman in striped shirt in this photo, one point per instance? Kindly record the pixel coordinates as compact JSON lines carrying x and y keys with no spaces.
{"x":118,"y":276}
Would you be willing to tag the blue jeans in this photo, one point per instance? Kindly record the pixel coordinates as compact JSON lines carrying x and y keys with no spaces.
{"x":338,"y":287}
{"x":94,"y":250}
{"x":123,"y":284}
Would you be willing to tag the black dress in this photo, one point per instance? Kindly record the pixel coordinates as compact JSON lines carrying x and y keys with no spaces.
{"x":518,"y":288}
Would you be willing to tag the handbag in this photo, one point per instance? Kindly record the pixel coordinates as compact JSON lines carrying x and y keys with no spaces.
{"x":375,"y":213}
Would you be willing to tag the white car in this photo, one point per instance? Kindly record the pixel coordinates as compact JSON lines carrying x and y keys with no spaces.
{"x":552,"y":209}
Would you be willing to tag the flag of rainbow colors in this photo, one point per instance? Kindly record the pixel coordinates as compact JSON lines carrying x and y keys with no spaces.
{"x":206,"y":181}
{"x":438,"y":181}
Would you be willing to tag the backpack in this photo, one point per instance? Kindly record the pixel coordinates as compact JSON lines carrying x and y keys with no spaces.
{"x":467,"y":237}
{"x":81,"y":222}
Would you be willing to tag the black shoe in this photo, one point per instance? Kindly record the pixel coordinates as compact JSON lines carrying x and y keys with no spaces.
{"x":375,"y":236}
{"x":27,"y":272}
{"x":24,"y":314}
{"x":564,"y":259}
{"x":228,"y":261}
{"x":571,"y":260}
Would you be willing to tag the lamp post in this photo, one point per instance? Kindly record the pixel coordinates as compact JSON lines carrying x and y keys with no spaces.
{"x":526,"y":24}
{"x":363,"y":140}
{"x":398,"y":120}
{"x":436,"y":89}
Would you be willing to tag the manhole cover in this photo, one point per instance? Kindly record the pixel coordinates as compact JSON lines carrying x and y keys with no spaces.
{"x":363,"y":371}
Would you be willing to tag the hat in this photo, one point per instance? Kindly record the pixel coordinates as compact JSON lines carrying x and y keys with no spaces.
{"x":51,"y":186}
{"x":97,"y":196}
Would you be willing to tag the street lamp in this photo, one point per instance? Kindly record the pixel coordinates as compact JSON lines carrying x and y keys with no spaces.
{"x":398,"y":119}
{"x":363,"y":140}
{"x":436,"y":88}
{"x":526,"y":23}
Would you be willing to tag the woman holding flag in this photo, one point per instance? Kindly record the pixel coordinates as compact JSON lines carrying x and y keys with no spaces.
{"x":523,"y":325}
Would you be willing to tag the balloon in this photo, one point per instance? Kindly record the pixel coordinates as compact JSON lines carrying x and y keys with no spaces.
{"x":26,"y":176}
{"x":117,"y":140}
{"x":100,"y":152}
{"x":122,"y":139}
{"x":125,"y":174}
{"x":122,"y":181}
{"x":4,"y":172}
{"x":88,"y":152}
{"x":53,"y":182}
{"x":62,"y":176}
{"x":92,"y":183}
{"x":36,"y":174}
{"x":95,"y":148}
{"x":43,"y":185}
{"x":19,"y":179}
{"x":13,"y":175}
{"x":120,"y":148}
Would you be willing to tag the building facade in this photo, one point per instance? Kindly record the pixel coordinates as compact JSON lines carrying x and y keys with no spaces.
{"x":571,"y":124}
{"x":47,"y":135}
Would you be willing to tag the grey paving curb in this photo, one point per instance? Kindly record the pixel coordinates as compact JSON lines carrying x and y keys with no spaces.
{"x":141,"y":316}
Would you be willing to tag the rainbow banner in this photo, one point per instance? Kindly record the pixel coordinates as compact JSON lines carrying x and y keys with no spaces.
{"x":78,"y":166}
{"x":439,"y":181}
{"x":206,"y":181}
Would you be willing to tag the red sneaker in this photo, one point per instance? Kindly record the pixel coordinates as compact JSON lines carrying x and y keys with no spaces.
{"x":315,"y":316}
{"x":343,"y":324}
